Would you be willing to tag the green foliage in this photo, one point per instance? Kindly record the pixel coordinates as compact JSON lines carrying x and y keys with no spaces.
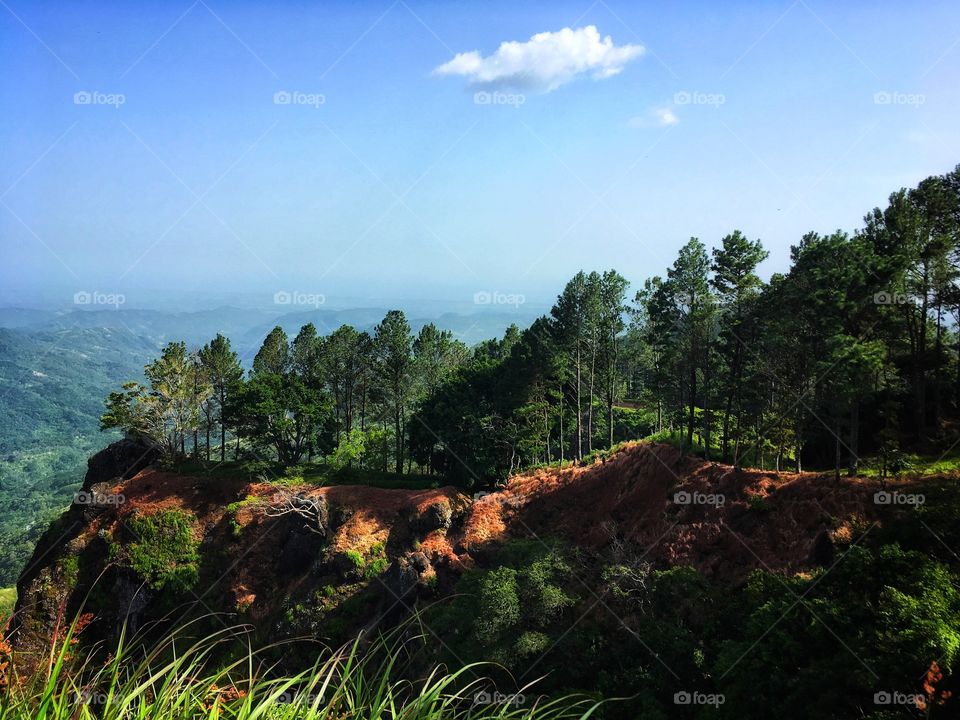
{"x":350,"y":449}
{"x":875,"y":621}
{"x":49,"y":425}
{"x":506,"y":612}
{"x":356,"y":560}
{"x":376,"y":567}
{"x":169,"y":407}
{"x":757,"y":502}
{"x":8,"y":598}
{"x":163,"y":550}
{"x":279,"y":414}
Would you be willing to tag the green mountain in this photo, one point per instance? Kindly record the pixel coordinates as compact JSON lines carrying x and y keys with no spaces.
{"x":52,"y":385}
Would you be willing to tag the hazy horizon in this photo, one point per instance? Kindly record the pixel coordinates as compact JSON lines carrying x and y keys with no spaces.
{"x":411,"y":152}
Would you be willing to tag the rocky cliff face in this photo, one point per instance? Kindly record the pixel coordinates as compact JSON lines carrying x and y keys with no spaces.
{"x":143,"y":544}
{"x":45,"y":587}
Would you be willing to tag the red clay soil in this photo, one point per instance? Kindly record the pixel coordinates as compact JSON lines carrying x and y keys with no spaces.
{"x":767,"y":519}
{"x":370,"y":516}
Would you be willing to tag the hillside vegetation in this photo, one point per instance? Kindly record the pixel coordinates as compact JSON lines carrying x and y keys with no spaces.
{"x":788,"y":593}
{"x":52,"y":384}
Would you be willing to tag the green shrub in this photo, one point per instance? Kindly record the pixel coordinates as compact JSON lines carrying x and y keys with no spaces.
{"x":356,"y":560}
{"x":511,"y":609}
{"x":756,"y":501}
{"x":376,"y":567}
{"x":163,"y":550}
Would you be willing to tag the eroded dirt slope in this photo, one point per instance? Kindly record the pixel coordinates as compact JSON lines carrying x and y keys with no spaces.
{"x":266,"y":549}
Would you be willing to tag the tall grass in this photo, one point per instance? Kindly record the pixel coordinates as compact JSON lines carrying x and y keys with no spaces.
{"x":180,"y":678}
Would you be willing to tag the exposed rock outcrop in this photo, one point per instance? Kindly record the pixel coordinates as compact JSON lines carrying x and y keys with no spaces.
{"x":119,"y":461}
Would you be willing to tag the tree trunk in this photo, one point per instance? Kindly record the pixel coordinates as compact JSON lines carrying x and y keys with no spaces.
{"x":693,"y":402}
{"x":956,"y":379}
{"x":707,"y":419}
{"x":593,"y":363}
{"x":579,"y":411}
{"x":937,"y":394}
{"x":725,"y":439}
{"x":610,"y":421}
{"x":836,"y":463}
{"x":546,"y":426}
{"x":399,"y":442}
{"x":852,"y":462}
{"x":560,"y":443}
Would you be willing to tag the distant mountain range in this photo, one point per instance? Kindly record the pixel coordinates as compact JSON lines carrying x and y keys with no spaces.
{"x":247,"y":327}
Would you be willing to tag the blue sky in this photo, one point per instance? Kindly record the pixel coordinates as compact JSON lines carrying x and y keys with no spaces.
{"x":385,"y":177}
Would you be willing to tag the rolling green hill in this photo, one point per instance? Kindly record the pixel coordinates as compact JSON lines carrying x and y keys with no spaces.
{"x":52,"y":385}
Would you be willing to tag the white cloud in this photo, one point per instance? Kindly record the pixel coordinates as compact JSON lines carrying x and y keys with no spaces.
{"x":666,"y":117}
{"x":545,"y":62}
{"x":660,"y":117}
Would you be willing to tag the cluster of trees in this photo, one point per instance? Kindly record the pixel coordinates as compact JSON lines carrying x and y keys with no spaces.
{"x":857,"y":340}
{"x":852,"y":351}
{"x":347,"y":395}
